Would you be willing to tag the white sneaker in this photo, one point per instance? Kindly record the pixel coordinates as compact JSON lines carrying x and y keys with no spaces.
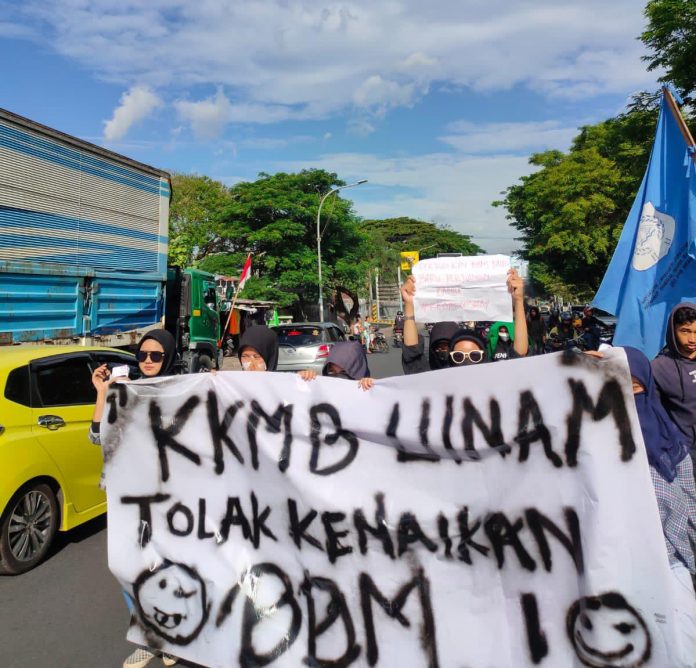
{"x":169,"y":660}
{"x":139,"y":659}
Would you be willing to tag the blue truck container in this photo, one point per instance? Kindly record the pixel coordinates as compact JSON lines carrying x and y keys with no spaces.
{"x":83,"y":239}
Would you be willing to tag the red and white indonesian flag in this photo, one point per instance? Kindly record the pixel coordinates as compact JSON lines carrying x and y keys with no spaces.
{"x":246,"y":272}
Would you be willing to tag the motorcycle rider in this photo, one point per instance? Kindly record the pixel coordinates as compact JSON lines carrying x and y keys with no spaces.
{"x":563,"y":332}
{"x":398,"y":330}
{"x":590,"y":328}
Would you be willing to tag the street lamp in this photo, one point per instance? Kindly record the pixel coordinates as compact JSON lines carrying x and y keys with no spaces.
{"x":321,"y":203}
{"x":425,"y":248}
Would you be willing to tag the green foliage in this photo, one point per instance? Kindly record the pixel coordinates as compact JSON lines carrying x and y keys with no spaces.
{"x":275,"y":218}
{"x":671,"y":36}
{"x":571,"y":211}
{"x":195,"y":209}
{"x":390,"y":236}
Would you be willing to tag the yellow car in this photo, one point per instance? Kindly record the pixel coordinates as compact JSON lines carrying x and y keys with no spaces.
{"x":49,"y":470}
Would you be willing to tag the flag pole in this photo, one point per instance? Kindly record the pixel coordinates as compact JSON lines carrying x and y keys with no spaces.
{"x":683,"y":127}
{"x":234,"y":301}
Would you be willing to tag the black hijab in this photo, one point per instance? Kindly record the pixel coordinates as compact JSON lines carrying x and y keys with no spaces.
{"x":264,"y":341}
{"x":441,"y":331}
{"x":349,"y":356}
{"x":166,"y":340}
{"x":663,"y":441}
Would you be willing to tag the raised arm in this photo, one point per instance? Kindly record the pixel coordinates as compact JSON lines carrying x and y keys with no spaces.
{"x":516,"y":289}
{"x":408,"y":290}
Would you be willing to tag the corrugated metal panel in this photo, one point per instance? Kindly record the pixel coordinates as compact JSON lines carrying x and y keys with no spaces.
{"x":43,"y":186}
{"x":122,"y":305}
{"x":33,"y":308}
{"x":48,"y":149}
{"x":66,"y":206}
{"x":22,"y":123}
{"x":46,"y":238}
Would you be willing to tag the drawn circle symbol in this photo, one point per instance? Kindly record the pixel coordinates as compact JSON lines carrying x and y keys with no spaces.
{"x":172,"y":602}
{"x":606,"y":632}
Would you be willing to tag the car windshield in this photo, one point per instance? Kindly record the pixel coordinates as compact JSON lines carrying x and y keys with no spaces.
{"x":298,"y":336}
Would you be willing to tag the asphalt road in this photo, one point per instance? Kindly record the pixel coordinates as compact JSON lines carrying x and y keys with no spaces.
{"x":69,"y":612}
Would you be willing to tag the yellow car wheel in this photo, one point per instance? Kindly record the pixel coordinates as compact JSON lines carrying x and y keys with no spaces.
{"x":27,"y":528}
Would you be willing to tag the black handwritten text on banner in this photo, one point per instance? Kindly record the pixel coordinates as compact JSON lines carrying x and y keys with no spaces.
{"x":492,"y":516}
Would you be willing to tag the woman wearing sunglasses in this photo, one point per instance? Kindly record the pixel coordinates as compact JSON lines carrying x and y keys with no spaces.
{"x":156,"y":354}
{"x":467,"y":347}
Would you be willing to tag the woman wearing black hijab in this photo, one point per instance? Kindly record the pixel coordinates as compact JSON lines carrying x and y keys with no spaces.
{"x":156,"y":354}
{"x":258,"y":349}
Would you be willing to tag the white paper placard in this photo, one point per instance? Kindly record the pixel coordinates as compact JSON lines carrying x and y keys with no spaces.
{"x":463,"y":288}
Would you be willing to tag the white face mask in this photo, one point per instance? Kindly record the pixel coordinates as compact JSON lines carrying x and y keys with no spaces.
{"x":504,"y":336}
{"x":253,"y":364}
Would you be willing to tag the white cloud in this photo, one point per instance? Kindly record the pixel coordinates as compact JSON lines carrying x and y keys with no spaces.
{"x":380,"y":94}
{"x":15,"y":30}
{"x":135,"y":105}
{"x":360,"y":127}
{"x":445,"y":188}
{"x":207,"y":118}
{"x":276,"y":143}
{"x":282,"y":59}
{"x":508,"y":137}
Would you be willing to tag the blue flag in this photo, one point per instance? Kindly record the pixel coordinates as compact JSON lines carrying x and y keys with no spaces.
{"x":653,"y":267}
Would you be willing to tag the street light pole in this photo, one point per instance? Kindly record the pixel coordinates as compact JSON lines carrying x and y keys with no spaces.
{"x":321,"y":203}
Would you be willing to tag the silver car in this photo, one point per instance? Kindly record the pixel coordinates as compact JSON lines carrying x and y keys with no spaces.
{"x":306,"y":345}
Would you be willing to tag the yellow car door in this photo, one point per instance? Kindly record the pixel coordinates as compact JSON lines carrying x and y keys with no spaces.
{"x":65,"y":398}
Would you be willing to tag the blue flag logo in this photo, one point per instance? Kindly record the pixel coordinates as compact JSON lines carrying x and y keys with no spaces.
{"x":654,"y":265}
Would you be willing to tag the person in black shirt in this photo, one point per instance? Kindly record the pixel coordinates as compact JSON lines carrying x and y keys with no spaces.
{"x":537,"y":330}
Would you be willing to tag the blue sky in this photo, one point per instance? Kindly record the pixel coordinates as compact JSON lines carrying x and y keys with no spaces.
{"x":437,"y":104}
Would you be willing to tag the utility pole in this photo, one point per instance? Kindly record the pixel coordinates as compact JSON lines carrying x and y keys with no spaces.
{"x":319,"y":234}
{"x":401,"y":299}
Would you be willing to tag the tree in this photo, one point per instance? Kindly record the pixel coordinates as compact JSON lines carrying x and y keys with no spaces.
{"x":390,"y":236}
{"x":671,"y":36}
{"x":275,"y":218}
{"x":194,"y":213}
{"x":571,"y":211}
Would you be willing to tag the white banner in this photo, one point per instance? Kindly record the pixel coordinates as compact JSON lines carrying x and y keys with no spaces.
{"x":463,"y":288}
{"x":490,"y":516}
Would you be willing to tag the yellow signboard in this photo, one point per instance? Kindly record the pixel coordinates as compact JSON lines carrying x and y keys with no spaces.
{"x":408,"y":259}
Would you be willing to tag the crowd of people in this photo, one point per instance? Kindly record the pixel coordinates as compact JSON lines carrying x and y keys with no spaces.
{"x":664,"y":392}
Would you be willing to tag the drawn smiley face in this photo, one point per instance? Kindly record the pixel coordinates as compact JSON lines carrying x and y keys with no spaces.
{"x":606,"y":632}
{"x":172,"y":602}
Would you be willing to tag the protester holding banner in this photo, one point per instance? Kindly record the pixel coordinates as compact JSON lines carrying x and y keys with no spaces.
{"x":467,"y":347}
{"x":258,"y":349}
{"x":675,"y":371}
{"x":156,"y":354}
{"x":412,"y":354}
{"x":675,"y":489}
{"x":413,"y":359}
{"x":346,"y":360}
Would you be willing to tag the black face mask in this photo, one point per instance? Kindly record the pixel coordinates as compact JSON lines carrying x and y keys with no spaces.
{"x":442,"y":356}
